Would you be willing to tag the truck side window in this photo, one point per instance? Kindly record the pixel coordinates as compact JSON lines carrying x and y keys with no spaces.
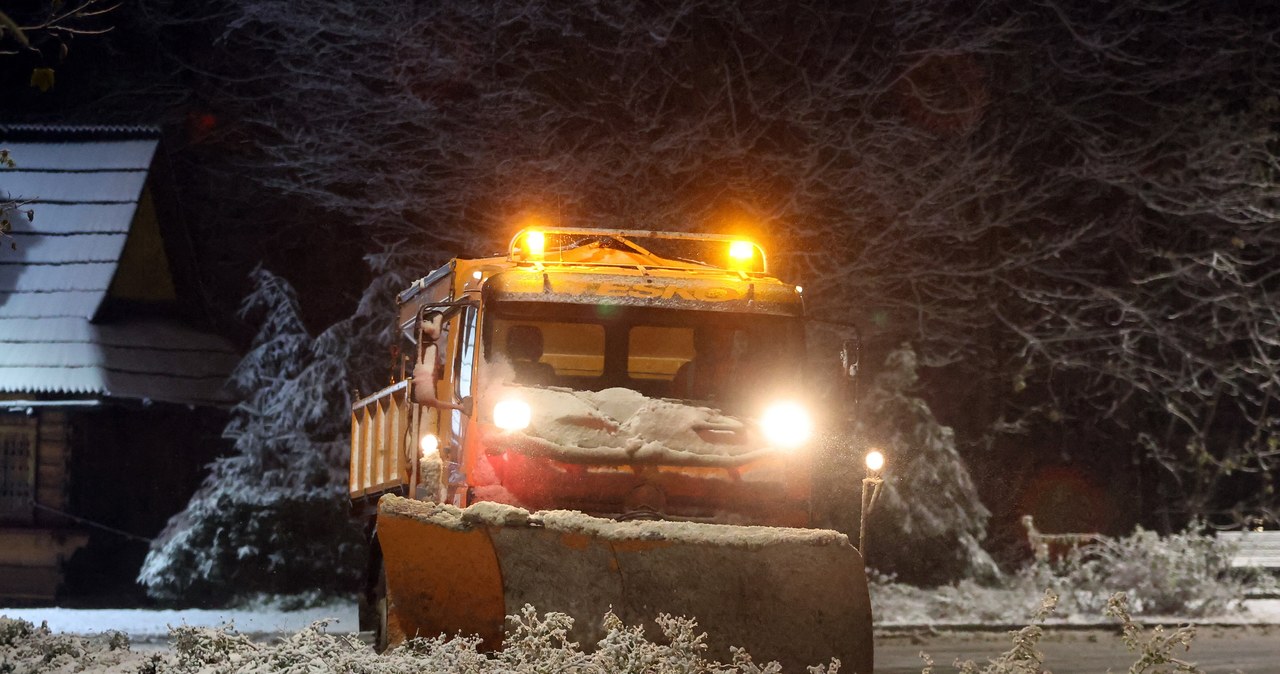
{"x":464,"y":364}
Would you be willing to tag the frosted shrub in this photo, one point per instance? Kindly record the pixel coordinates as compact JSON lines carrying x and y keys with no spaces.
{"x":535,"y":644}
{"x":196,"y":647}
{"x":682,"y":651}
{"x":444,"y":654}
{"x":13,"y":631}
{"x":1186,"y":574}
{"x":1157,"y":649}
{"x":26,"y":649}
{"x":541,"y":639}
{"x":1023,"y":657}
{"x":1156,"y":653}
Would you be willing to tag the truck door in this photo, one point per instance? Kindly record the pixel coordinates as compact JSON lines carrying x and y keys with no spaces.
{"x":462,"y":374}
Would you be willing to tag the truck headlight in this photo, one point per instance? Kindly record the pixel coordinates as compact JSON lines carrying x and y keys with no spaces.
{"x":786,"y":424}
{"x":512,"y":415}
{"x":430,"y":446}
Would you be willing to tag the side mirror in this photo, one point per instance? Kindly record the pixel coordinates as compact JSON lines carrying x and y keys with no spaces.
{"x":431,"y":325}
{"x":850,"y":363}
{"x":850,"y":358}
{"x":424,"y":376}
{"x":425,"y":371}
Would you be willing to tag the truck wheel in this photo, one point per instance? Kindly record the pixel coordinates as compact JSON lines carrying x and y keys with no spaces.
{"x":380,"y":610}
{"x":372,"y":604}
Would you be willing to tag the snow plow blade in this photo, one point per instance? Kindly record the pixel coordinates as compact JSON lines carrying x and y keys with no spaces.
{"x":798,"y":596}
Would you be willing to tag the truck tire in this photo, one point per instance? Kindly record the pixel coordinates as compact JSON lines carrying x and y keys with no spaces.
{"x":380,"y":610}
{"x":372,"y":604}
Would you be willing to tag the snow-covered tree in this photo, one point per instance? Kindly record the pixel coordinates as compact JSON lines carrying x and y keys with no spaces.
{"x":928,"y":523}
{"x":273,"y":515}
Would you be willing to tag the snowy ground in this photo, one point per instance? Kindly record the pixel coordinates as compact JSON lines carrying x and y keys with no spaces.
{"x":294,"y":648}
{"x":145,"y":625}
{"x":967,"y":605}
{"x":1252,"y":612}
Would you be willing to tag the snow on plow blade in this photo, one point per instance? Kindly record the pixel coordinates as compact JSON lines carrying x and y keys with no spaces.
{"x":798,"y":596}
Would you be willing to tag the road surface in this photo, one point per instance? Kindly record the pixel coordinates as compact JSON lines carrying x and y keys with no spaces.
{"x":1216,"y":650}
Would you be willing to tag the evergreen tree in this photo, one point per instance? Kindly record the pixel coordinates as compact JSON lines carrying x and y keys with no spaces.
{"x":273,"y":515}
{"x":928,"y":523}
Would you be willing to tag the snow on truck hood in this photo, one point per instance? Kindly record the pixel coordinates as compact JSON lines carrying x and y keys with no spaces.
{"x":619,"y":425}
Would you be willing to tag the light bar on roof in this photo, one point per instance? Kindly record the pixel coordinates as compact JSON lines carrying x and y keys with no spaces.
{"x":549,"y":245}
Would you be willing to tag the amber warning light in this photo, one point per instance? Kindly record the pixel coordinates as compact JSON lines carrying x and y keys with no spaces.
{"x":741,"y":250}
{"x":535,"y":242}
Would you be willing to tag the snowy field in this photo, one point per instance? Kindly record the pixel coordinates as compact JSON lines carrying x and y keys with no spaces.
{"x":927,"y":608}
{"x":145,"y":625}
{"x":83,"y":640}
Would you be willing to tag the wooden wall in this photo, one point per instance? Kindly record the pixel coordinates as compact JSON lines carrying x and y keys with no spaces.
{"x":126,"y":468}
{"x":34,"y":542}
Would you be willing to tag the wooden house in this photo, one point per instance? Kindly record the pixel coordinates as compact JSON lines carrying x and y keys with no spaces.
{"x":106,"y":378}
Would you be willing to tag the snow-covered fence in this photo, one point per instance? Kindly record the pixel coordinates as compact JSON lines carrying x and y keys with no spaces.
{"x":1256,"y":551}
{"x":1049,"y":546}
{"x":1253,"y":549}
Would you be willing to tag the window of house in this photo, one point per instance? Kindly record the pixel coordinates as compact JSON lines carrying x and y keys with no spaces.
{"x":17,"y":469}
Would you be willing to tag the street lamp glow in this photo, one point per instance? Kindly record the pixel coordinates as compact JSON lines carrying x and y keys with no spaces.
{"x":875,"y":460}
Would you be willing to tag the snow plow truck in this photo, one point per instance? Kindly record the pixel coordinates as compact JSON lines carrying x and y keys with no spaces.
{"x":604,"y":420}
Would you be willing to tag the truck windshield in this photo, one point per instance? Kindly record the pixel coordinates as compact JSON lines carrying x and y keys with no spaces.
{"x":705,"y":356}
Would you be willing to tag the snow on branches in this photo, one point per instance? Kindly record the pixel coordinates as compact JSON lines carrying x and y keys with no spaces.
{"x":273,"y":515}
{"x":1068,"y":208}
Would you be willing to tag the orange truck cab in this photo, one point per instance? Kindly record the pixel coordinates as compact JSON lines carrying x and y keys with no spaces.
{"x":646,"y":381}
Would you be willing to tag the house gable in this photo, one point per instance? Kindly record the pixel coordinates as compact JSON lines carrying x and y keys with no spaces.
{"x":90,"y":335}
{"x":86,"y":298}
{"x":143,"y":275}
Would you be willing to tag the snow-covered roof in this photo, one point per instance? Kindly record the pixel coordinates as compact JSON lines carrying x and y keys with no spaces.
{"x":85,"y":185}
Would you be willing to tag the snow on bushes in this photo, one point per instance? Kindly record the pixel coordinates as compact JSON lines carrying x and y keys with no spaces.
{"x":535,"y":644}
{"x":1156,"y":652}
{"x":1187,"y":574}
{"x":1183,"y":575}
{"x":27,"y":649}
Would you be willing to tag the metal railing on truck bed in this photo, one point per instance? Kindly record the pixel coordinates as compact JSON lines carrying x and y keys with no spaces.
{"x":379,"y":430}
